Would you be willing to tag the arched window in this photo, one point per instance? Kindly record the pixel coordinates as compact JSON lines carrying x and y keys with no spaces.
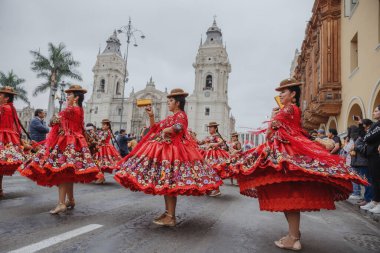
{"x":118,"y":92}
{"x":102,"y":85}
{"x":208,"y":82}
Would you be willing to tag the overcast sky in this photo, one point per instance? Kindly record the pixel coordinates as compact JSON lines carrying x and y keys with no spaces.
{"x":261,"y":38}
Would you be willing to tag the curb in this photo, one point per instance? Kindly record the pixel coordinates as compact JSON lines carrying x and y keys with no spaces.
{"x":375,"y":217}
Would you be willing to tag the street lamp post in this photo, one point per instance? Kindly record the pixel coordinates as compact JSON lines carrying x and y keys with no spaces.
{"x":62,"y":97}
{"x":130,"y":32}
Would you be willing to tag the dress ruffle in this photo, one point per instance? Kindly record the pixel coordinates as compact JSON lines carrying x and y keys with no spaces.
{"x":57,"y":166}
{"x":215,"y":157}
{"x":165,"y":178}
{"x":107,"y":158}
{"x":11,"y":153}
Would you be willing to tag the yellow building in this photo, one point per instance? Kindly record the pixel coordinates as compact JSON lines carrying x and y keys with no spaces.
{"x":360,"y":62}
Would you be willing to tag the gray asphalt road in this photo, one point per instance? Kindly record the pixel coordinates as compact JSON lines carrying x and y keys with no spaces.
{"x":229,"y":223}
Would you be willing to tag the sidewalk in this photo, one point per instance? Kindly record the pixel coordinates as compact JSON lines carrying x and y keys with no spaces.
{"x":375,"y":217}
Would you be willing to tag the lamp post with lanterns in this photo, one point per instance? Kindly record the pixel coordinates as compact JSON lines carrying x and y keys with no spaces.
{"x":62,"y":96}
{"x":131,"y":33}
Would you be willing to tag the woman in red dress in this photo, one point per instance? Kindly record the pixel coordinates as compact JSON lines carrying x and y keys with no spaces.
{"x":107,"y":156}
{"x":235,"y":148}
{"x":214,"y":153}
{"x":11,"y":153}
{"x":65,"y":157}
{"x":290,"y":173}
{"x":166,"y":161}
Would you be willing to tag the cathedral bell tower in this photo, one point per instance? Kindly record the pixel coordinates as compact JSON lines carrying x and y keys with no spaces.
{"x":109,"y":75}
{"x":209,"y":101}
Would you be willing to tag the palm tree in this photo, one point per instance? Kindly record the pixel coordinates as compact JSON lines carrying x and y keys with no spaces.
{"x":57,"y":65}
{"x":12,"y":80}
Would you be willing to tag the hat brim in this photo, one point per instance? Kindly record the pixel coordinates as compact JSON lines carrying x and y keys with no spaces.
{"x":84,"y":91}
{"x":8,"y":92}
{"x":177,"y":94}
{"x":287,"y":86}
{"x":213,"y":125}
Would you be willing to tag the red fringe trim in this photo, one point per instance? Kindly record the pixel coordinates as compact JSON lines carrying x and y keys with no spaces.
{"x":8,"y":169}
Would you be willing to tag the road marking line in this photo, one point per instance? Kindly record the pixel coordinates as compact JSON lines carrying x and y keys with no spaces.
{"x":56,"y":239}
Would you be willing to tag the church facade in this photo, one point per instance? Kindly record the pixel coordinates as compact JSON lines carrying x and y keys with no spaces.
{"x":136,"y":116}
{"x":208,"y":102}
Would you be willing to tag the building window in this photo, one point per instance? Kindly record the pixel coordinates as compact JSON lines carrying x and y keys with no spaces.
{"x":354,"y":53}
{"x":207,"y":111}
{"x":349,"y":7}
{"x":96,"y":110}
{"x":208,"y":85}
{"x":119,"y":111}
{"x":102,"y":85}
{"x":118,"y":92}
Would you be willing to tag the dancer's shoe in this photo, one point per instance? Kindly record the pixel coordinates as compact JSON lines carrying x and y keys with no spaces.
{"x":60,"y":208}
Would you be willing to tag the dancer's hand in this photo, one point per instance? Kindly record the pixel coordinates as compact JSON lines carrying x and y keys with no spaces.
{"x":149,"y":111}
{"x":275,"y":111}
{"x":166,"y":132}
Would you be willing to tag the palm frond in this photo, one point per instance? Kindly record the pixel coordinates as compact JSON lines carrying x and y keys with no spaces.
{"x":41,"y":88}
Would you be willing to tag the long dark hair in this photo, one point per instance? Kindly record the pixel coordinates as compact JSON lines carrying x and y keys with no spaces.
{"x":224,"y":141}
{"x":80,"y":96}
{"x":10,"y":97}
{"x":181,"y":100}
{"x":297,"y":90}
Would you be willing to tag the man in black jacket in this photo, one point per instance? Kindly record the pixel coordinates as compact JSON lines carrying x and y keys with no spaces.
{"x":122,"y":139}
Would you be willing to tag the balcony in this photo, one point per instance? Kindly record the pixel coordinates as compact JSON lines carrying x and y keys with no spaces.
{"x":327,"y":103}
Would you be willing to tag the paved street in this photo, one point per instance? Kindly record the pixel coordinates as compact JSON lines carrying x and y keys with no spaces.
{"x":109,"y":218}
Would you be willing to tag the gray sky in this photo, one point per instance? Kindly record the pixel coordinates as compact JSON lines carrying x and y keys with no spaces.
{"x":261,"y":38}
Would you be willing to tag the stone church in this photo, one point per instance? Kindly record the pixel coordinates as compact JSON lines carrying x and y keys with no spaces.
{"x":208,"y":102}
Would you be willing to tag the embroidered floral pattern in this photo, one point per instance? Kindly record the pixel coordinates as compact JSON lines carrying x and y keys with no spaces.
{"x":165,"y":175}
{"x":65,"y":157}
